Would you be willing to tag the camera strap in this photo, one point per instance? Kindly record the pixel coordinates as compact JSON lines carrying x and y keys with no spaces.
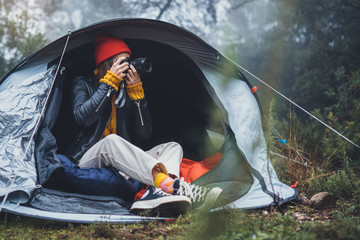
{"x":121,"y":98}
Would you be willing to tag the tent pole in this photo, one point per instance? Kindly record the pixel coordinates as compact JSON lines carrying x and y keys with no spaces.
{"x":39,"y":119}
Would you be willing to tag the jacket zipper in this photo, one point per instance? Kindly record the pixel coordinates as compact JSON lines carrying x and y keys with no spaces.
{"x":138,"y":106}
{"x":107,"y":95}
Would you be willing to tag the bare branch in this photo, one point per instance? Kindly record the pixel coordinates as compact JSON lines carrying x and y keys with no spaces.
{"x":211,"y":10}
{"x":163,"y":9}
{"x":241,"y":4}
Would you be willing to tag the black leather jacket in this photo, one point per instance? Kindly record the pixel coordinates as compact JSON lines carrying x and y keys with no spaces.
{"x":91,"y":106}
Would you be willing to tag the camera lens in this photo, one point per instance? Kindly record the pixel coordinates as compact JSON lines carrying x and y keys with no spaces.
{"x":147,"y":64}
{"x":142,"y":65}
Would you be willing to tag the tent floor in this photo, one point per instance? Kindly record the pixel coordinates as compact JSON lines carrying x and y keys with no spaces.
{"x":84,"y":218}
{"x":55,"y":205}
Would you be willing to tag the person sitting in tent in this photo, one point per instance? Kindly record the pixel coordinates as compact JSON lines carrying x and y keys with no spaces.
{"x":111,"y":110}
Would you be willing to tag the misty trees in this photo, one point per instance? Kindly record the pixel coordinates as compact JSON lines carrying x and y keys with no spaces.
{"x":19,"y":35}
{"x":322,"y":72}
{"x":326,"y":35}
{"x":198,"y":16}
{"x":23,"y":22}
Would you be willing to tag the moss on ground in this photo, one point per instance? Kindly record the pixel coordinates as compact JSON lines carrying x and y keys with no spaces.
{"x":295,"y":221}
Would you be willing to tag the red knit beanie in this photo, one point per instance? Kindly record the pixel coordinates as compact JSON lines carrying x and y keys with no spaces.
{"x":107,"y":46}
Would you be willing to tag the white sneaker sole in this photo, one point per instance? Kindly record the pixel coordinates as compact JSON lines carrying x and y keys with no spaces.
{"x":171,"y":206}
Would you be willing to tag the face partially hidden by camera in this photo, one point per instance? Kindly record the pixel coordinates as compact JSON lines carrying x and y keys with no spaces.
{"x":123,"y":56}
{"x":124,"y":70}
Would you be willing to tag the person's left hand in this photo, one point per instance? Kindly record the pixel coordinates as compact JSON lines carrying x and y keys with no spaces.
{"x":132,"y":77}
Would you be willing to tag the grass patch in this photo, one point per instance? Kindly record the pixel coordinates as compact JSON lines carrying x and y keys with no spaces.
{"x":297,"y":222}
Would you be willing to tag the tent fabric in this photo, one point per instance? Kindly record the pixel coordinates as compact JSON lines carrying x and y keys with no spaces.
{"x":245,"y":120}
{"x":244,"y":171}
{"x":47,"y":162}
{"x":78,"y":217}
{"x":21,"y":103}
{"x":231,"y":174}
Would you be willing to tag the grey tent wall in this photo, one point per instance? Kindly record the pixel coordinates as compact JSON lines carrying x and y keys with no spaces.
{"x":47,"y":163}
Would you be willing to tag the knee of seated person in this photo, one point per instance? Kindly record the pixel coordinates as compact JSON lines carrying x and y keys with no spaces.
{"x":175,"y":145}
{"x":112,"y":137}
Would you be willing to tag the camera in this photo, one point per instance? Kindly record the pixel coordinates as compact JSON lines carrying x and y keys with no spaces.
{"x":142,"y":64}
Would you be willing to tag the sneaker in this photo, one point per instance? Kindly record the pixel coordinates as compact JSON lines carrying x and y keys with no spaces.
{"x":202,"y":199}
{"x":156,"y":202}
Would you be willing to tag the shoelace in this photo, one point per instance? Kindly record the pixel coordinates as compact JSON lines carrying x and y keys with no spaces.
{"x":161,"y":192}
{"x":194,"y":192}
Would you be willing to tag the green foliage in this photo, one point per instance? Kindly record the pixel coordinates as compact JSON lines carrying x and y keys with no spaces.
{"x":344,"y":113}
{"x":271,"y":135}
{"x":103,"y":230}
{"x":321,"y":73}
{"x":326,"y":151}
{"x":320,"y":160}
{"x":324,"y":37}
{"x":340,"y":184}
{"x":345,"y":228}
{"x":19,"y":35}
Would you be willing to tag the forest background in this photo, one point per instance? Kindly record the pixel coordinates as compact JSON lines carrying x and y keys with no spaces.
{"x":306,"y":49}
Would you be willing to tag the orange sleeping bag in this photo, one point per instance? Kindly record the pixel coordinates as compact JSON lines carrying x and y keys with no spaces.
{"x":191,"y":170}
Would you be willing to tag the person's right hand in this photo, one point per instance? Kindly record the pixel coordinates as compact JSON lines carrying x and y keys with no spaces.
{"x":119,"y":69}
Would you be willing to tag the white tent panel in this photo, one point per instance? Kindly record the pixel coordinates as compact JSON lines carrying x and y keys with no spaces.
{"x":245,"y":120}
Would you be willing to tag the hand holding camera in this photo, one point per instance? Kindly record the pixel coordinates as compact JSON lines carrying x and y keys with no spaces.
{"x":120,"y":69}
{"x":130,"y":70}
{"x":136,"y":67}
{"x":142,"y":64}
{"x":132,"y":76}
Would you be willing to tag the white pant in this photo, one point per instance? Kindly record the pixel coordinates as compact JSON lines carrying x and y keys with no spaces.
{"x":115,"y":151}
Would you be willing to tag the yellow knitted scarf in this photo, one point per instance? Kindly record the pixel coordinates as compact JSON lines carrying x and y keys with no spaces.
{"x":111,"y":127}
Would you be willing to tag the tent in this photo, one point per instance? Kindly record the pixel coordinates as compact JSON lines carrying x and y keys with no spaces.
{"x":196,"y":96}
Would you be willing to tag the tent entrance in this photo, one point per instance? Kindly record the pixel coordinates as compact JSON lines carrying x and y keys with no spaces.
{"x":182,"y":110}
{"x":180,"y":106}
